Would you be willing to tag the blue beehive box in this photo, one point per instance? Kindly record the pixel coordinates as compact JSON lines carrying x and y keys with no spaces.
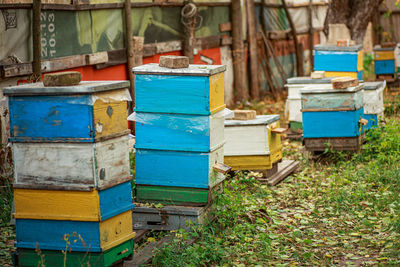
{"x":331,"y":112}
{"x":198,"y":89}
{"x":338,"y":59}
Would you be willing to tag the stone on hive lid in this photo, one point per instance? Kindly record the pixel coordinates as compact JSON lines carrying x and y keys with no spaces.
{"x":244,"y":114}
{"x":320,"y":74}
{"x":174,"y":62}
{"x":344,"y":82}
{"x":65,"y":78}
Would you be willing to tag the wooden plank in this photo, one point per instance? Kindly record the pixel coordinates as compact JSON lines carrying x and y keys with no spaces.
{"x":63,"y":63}
{"x":13,"y":70}
{"x":344,"y":82}
{"x":222,"y":168}
{"x":279,"y":130}
{"x":244,"y":114}
{"x":65,"y":78}
{"x":36,"y":41}
{"x":140,"y":234}
{"x":97,"y":58}
{"x":285,"y":168}
{"x":252,"y":39}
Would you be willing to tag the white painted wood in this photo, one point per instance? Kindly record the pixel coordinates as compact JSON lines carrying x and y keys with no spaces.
{"x":373,"y":101}
{"x":293,"y":106}
{"x":217,"y":130}
{"x":71,"y":165}
{"x":246,"y":140}
{"x":294,"y":90}
{"x":217,"y":156}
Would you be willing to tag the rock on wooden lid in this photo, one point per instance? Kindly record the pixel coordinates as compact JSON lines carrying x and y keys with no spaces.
{"x":174,"y":62}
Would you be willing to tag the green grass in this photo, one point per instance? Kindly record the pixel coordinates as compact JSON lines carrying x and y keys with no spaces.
{"x":343,"y":211}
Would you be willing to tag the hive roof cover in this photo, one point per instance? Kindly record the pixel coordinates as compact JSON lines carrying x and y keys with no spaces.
{"x":192,"y":70}
{"x":259,"y":120}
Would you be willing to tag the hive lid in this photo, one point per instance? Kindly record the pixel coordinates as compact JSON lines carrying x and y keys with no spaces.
{"x":327,"y":89}
{"x":192,"y":70}
{"x":374,"y":85}
{"x":308,"y":80}
{"x":85,"y":87}
{"x":259,"y":120}
{"x":170,"y":210}
{"x":380,"y":48}
{"x":353,"y":48}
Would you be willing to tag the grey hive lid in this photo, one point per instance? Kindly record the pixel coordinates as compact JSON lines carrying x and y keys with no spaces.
{"x":327,"y":89}
{"x":192,"y":70}
{"x":259,"y":120}
{"x":170,"y":210}
{"x":374,"y":85}
{"x":353,"y":48}
{"x":84,"y":87}
{"x":308,"y":80}
{"x":380,"y":48}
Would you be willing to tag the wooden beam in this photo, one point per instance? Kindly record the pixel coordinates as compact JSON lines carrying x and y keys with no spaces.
{"x":311,"y":34}
{"x":238,"y":52}
{"x":299,"y":61}
{"x":188,"y":19}
{"x":251,"y":20}
{"x":129,"y":48}
{"x":37,"y":50}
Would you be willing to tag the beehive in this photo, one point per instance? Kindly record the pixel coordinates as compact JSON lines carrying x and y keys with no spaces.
{"x":179,"y":133}
{"x":82,"y":113}
{"x":198,"y":89}
{"x":373,"y":102}
{"x":339,"y":61}
{"x":251,"y":144}
{"x":332,"y":116}
{"x":384,"y":60}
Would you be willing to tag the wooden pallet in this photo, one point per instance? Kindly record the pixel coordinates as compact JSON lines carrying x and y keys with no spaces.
{"x":283,"y":170}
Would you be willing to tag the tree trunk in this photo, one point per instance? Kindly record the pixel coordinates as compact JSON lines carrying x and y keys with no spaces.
{"x":355,"y":14}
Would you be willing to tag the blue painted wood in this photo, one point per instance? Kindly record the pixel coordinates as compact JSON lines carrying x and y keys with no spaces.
{"x":178,"y":132}
{"x":332,"y":99}
{"x":372,"y":121}
{"x":51,"y":118}
{"x":360,"y":75}
{"x":385,"y":67}
{"x":172,"y":94}
{"x":172,"y":168}
{"x":49,"y":234}
{"x":320,"y":124}
{"x":115,"y":200}
{"x":335,"y":61}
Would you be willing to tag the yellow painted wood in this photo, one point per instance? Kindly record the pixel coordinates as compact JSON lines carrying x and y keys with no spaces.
{"x":116,"y":230}
{"x":217,"y":92}
{"x":263,"y":162}
{"x":340,"y":74}
{"x":103,"y":122}
{"x":274,"y":140}
{"x":57,"y":205}
{"x":383,"y":55}
{"x":360,"y":61}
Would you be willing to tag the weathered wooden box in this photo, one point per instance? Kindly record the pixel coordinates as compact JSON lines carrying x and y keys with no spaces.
{"x":334,"y":143}
{"x":253,"y":162}
{"x":71,"y":166}
{"x":178,"y":168}
{"x":73,"y":205}
{"x":252,"y":137}
{"x":318,"y":124}
{"x":81,"y":113}
{"x":323,"y":98}
{"x":338,"y":59}
{"x":170,"y":217}
{"x":31,"y":257}
{"x":198,"y":89}
{"x":90,"y":236}
{"x":179,"y":132}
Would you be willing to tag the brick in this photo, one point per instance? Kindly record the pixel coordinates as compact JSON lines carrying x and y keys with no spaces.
{"x":318,"y":74}
{"x":343,"y":42}
{"x":174,"y":62}
{"x":344,"y":82}
{"x":66,"y":78}
{"x":244,"y":114}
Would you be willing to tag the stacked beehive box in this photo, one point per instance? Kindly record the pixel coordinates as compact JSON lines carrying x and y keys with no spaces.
{"x":293,"y":102}
{"x":179,"y":133}
{"x":339,"y":61}
{"x":253,"y":144}
{"x":332,"y":116}
{"x":384,"y":60}
{"x":373,"y":102}
{"x":72,"y":193}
